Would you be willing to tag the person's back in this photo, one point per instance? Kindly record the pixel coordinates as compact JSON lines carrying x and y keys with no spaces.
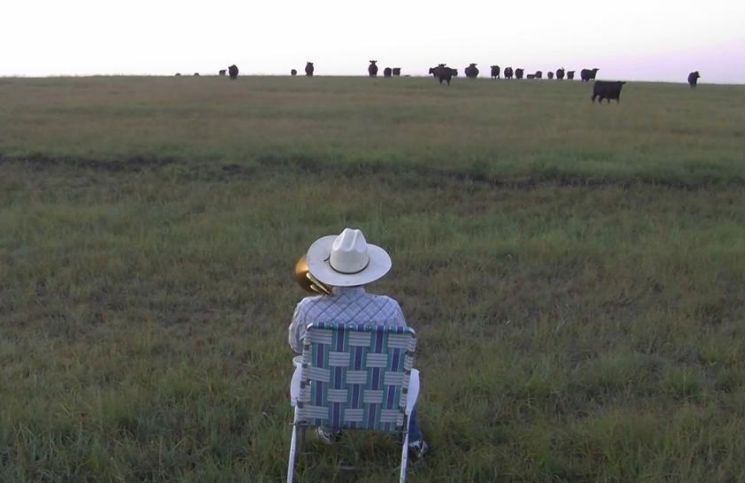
{"x":344,"y":305}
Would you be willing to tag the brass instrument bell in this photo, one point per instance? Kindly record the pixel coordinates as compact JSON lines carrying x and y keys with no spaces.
{"x":307,"y":281}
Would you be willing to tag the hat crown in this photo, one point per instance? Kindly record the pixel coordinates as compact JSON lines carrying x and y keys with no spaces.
{"x":349,"y":252}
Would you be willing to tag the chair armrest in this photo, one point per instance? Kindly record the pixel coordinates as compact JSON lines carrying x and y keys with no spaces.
{"x":297,"y":377}
{"x":413,"y":394}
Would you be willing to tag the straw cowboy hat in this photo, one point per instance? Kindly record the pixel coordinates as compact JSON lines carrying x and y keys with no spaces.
{"x":347,"y":260}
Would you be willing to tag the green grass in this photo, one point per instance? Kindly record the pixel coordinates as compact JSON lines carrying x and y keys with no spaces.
{"x":575,"y":273}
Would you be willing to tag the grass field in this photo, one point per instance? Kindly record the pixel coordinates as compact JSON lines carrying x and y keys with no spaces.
{"x":575,"y":274}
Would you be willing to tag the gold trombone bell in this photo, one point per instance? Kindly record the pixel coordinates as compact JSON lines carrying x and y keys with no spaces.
{"x":307,"y":281}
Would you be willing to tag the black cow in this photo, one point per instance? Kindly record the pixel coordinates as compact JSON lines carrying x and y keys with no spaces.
{"x":508,"y":72}
{"x":538,"y":74}
{"x":607,"y":90}
{"x":560,"y":74}
{"x":196,"y":74}
{"x":495,"y":72}
{"x":588,"y":74}
{"x":443,"y":73}
{"x":531,"y":76}
{"x":387,"y":72}
{"x":693,"y":79}
{"x":550,"y":75}
{"x":472,"y":71}
{"x":372,"y":69}
{"x":178,"y":74}
{"x":233,"y":71}
{"x":222,"y":72}
{"x":570,"y":75}
{"x":397,"y":71}
{"x":293,"y":72}
{"x":309,"y":69}
{"x":519,"y":73}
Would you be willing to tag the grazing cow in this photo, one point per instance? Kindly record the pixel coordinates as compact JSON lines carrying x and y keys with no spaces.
{"x":550,"y":75}
{"x":454,"y":72}
{"x":531,"y":76}
{"x":222,"y":72}
{"x":397,"y":71}
{"x":588,"y":74}
{"x":538,"y":74}
{"x":508,"y":72}
{"x":233,"y":71}
{"x":570,"y":75}
{"x":293,"y":72}
{"x":309,"y":69}
{"x":372,"y":69}
{"x":387,"y":72}
{"x":178,"y":74}
{"x":495,"y":72}
{"x":196,"y":74}
{"x":471,"y":71}
{"x":607,"y":90}
{"x":519,"y":73}
{"x":693,"y":79}
{"x":560,"y":74}
{"x":443,"y":73}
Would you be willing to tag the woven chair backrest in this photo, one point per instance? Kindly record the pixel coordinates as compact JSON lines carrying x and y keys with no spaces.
{"x":355,"y":376}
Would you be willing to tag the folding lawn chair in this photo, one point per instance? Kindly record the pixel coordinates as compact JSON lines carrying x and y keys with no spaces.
{"x":355,"y":376}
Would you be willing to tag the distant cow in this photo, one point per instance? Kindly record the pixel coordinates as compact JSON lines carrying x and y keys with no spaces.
{"x":693,"y":79}
{"x":472,"y":71}
{"x":588,"y":74}
{"x":309,"y":69}
{"x":397,"y":71}
{"x":519,"y":73}
{"x":196,"y":74}
{"x":495,"y":72}
{"x":442,"y":73}
{"x":570,"y":75}
{"x":387,"y":72}
{"x":233,"y":71}
{"x":508,"y":72}
{"x":550,"y":75}
{"x":531,"y":76}
{"x":372,"y":69}
{"x":538,"y":74}
{"x":178,"y":74}
{"x":293,"y":72}
{"x":607,"y":90}
{"x":222,"y":72}
{"x":560,"y":74}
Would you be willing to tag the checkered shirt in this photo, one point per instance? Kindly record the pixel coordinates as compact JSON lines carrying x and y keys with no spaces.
{"x":345,"y":305}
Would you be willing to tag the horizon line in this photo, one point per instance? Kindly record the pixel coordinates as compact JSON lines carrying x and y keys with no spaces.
{"x":362,"y":76}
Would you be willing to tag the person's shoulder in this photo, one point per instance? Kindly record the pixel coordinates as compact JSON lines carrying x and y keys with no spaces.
{"x":386,"y":300}
{"x":307,"y":302}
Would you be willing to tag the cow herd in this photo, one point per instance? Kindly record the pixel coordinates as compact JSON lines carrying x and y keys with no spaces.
{"x":472,"y":72}
{"x":602,"y":90}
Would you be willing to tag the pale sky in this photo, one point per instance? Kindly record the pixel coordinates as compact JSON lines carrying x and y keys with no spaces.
{"x":626,"y":39}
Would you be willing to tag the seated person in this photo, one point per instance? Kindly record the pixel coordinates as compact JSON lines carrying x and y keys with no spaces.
{"x":346,"y":263}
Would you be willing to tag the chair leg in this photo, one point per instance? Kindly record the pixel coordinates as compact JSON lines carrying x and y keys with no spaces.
{"x":404,"y":455}
{"x":293,"y":448}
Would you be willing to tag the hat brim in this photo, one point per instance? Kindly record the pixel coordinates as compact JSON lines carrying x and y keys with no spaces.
{"x":319,"y":266}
